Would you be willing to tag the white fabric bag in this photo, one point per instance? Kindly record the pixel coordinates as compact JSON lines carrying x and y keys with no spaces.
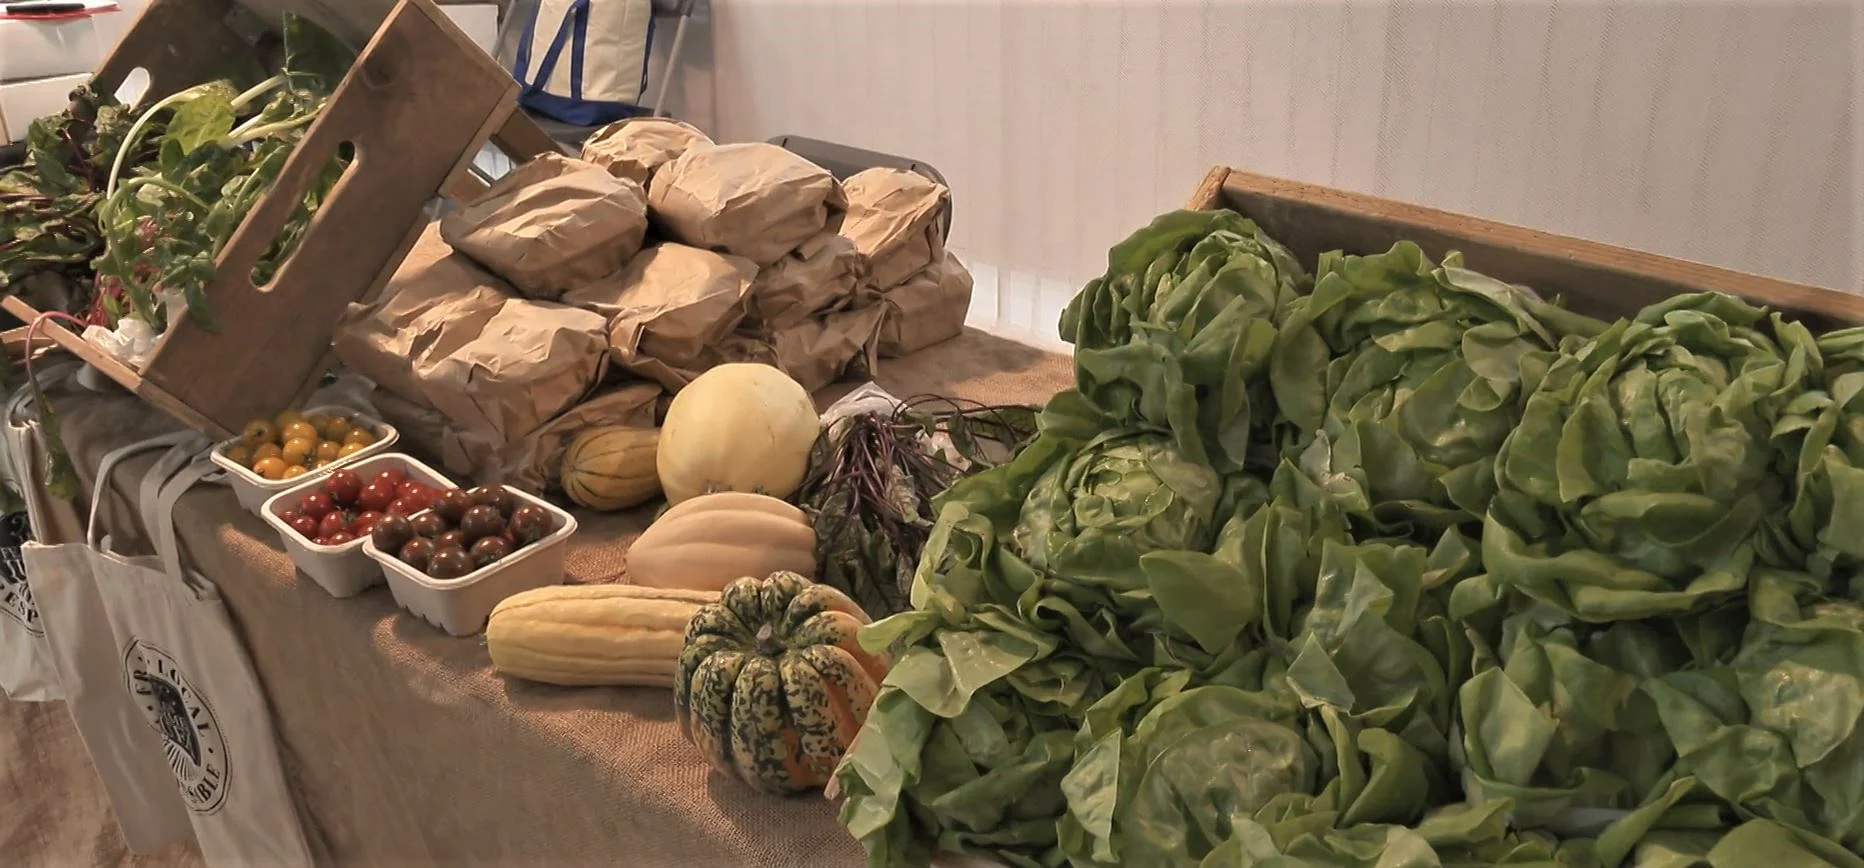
{"x":584,"y":62}
{"x":187,"y":668}
{"x":27,"y":672}
{"x":86,"y":653}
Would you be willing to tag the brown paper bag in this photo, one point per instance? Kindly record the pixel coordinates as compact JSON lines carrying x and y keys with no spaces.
{"x":437,"y":301}
{"x":927,"y":309}
{"x":635,"y":147}
{"x":755,"y":200}
{"x":673,"y":307}
{"x":823,"y":274}
{"x":894,"y":220}
{"x":820,"y":350}
{"x":531,"y":361}
{"x":534,"y":463}
{"x":551,"y":224}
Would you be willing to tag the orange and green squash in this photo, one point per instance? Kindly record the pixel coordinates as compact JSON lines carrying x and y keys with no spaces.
{"x":772,"y":686}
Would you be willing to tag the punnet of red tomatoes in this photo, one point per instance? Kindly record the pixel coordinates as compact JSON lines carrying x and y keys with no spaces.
{"x":462,"y":531}
{"x":347,"y":507}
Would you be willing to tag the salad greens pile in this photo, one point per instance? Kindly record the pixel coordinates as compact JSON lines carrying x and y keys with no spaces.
{"x":1390,"y":565}
{"x":132,"y":206}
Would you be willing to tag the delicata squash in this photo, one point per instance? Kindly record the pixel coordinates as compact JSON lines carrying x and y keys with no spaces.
{"x":587,"y":635}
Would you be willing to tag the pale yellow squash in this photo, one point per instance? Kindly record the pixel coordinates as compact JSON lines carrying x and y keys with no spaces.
{"x":585,"y":635}
{"x":738,"y":427}
{"x":712,"y":540}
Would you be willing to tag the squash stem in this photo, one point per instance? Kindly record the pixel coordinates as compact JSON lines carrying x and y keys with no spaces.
{"x":767,"y":644}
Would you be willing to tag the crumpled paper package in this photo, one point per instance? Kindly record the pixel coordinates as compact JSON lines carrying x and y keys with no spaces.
{"x":532,"y":462}
{"x":821,"y":350}
{"x":754,"y":200}
{"x":531,"y":361}
{"x":445,"y":335}
{"x":929,"y":308}
{"x":824,"y":274}
{"x":552,"y":224}
{"x":894,"y":220}
{"x":634,"y":148}
{"x":436,"y":302}
{"x":671,"y":309}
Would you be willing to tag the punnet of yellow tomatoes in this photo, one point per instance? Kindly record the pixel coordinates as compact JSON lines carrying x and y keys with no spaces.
{"x":292,"y":443}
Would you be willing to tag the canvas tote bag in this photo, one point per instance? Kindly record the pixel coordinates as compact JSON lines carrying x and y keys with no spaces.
{"x":185,"y":665}
{"x":85,"y":652}
{"x":27,"y":672}
{"x":584,"y":62}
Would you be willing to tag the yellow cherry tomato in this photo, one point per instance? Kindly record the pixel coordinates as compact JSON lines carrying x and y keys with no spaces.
{"x":264,"y":451}
{"x":360,"y":435}
{"x":351,"y":449}
{"x":318,"y":420}
{"x":328,"y":450}
{"x":297,"y":450}
{"x":295,"y":471}
{"x":335,"y":427}
{"x":239,"y":453}
{"x":283,"y":420}
{"x":299,"y":429}
{"x":259,"y":431}
{"x":270,"y":468}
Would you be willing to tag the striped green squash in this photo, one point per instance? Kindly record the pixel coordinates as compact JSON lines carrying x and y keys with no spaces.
{"x":772,"y":686}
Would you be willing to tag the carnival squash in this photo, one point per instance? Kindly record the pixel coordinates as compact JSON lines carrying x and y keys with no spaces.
{"x":712,"y":540}
{"x":611,"y":467}
{"x":579,"y":635}
{"x":737,"y":427}
{"x":772,"y":686}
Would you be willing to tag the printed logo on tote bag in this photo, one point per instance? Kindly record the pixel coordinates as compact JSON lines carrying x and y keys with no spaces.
{"x":191,"y":739}
{"x":15,"y":595}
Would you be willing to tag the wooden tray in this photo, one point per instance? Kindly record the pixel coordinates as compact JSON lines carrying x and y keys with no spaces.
{"x":418,"y":105}
{"x":1597,"y":279}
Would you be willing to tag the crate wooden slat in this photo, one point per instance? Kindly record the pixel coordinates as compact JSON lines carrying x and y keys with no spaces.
{"x":418,"y":104}
{"x":1598,"y":279}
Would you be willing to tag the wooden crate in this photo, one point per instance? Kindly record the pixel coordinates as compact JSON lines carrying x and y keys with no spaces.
{"x":417,"y":106}
{"x":1597,"y":279}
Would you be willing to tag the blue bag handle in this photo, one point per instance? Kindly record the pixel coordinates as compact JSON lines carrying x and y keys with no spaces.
{"x":575,"y":25}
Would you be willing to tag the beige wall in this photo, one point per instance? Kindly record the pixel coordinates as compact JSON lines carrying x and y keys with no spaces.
{"x":1724,"y":132}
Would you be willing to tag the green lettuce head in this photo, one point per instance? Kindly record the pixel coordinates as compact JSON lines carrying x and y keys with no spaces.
{"x":1640,"y":481}
{"x":1176,"y":334}
{"x":1093,"y":512}
{"x":1403,"y":378}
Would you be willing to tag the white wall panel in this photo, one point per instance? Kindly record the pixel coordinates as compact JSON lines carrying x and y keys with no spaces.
{"x":1721,"y":132}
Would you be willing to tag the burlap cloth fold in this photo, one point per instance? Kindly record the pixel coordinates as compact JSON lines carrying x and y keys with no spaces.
{"x":404,"y":747}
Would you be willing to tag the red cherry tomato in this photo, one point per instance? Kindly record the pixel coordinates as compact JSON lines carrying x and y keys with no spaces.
{"x":376,"y":497}
{"x":332,"y":524}
{"x":316,"y":505}
{"x":288,"y":515}
{"x":339,"y":538}
{"x":305,"y":525}
{"x":343,"y":486}
{"x":365,"y":523}
{"x":404,"y":507}
{"x":394,"y":475}
{"x":320,"y":541}
{"x":409,"y":488}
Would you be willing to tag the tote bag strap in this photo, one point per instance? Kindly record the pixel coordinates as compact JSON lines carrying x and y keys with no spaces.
{"x":149,"y":494}
{"x":109,"y":463}
{"x":570,"y":32}
{"x":161,"y":515}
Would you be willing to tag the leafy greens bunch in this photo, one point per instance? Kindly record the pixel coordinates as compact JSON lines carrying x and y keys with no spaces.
{"x":48,"y":204}
{"x":1322,"y":624}
{"x":165,"y":222}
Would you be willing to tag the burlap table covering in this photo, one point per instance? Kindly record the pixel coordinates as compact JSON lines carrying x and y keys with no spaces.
{"x":406,"y":749}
